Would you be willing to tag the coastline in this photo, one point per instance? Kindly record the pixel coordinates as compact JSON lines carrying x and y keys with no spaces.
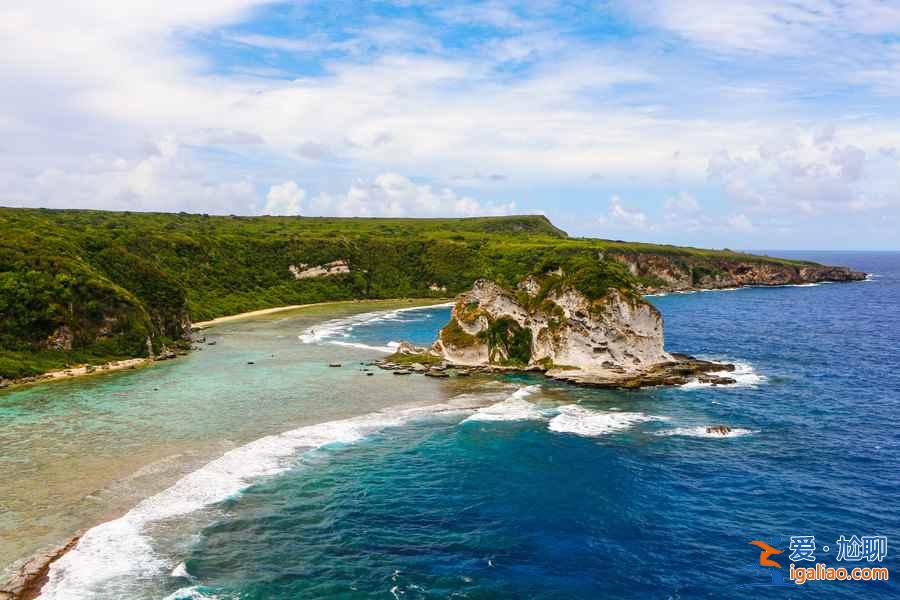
{"x":134,"y":363}
{"x":258,"y":313}
{"x":292,"y":307}
{"x":79,"y":371}
{"x":24,"y":581}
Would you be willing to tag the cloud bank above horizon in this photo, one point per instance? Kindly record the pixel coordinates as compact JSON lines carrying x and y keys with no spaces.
{"x":761,"y":125}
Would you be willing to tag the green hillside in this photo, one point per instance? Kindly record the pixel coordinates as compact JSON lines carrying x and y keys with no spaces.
{"x":90,"y":286}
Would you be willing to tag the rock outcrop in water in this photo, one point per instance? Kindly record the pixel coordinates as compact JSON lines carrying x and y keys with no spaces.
{"x":615,"y":340}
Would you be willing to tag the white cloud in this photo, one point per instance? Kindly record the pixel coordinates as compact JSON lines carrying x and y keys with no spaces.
{"x":771,"y":26}
{"x":683,"y":202}
{"x":740,"y":222}
{"x":394,"y":195}
{"x":164,"y":178}
{"x":537,"y":105}
{"x":284,"y":200}
{"x":620,"y":216}
{"x":810,"y":171}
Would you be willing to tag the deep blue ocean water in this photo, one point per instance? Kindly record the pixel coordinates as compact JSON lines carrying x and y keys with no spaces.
{"x":592,"y":493}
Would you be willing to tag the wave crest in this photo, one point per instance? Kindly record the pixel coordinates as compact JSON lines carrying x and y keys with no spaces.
{"x":590,"y":423}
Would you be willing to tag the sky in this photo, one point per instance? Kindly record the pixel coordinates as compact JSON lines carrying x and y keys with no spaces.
{"x":751,"y":124}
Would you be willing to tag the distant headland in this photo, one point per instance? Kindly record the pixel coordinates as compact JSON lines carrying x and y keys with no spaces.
{"x":82,"y":287}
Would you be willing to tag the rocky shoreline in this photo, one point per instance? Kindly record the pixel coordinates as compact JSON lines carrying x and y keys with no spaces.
{"x":76,"y":371}
{"x":411,"y":360}
{"x":660,"y":273}
{"x":30,"y":576}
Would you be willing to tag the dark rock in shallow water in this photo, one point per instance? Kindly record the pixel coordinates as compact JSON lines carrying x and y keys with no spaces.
{"x":716,"y":380}
{"x":720,"y":429}
{"x":678,"y":372}
{"x":402,"y":372}
{"x":29,"y":578}
{"x":369,"y":374}
{"x":335,"y":365}
{"x":436,"y":374}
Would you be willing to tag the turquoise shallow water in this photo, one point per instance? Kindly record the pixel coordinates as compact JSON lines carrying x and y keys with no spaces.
{"x":522,"y":488}
{"x":78,"y":452}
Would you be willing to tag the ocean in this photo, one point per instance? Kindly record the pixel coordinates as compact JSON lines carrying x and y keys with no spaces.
{"x":288,"y":478}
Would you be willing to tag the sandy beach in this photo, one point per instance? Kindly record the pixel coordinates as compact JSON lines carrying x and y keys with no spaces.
{"x":80,"y":371}
{"x":132,"y":363}
{"x":279,"y":309}
{"x":121,"y":460}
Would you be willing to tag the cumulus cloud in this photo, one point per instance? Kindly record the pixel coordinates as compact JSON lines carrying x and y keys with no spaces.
{"x":681,"y":203}
{"x":164,"y":178}
{"x":680,"y":213}
{"x":387,"y":195}
{"x":530,"y":104}
{"x":284,"y":199}
{"x":811,"y":171}
{"x":618,"y":213}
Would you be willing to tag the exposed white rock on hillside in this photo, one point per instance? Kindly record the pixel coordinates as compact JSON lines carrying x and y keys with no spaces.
{"x":305,"y":271}
{"x":493,"y":325}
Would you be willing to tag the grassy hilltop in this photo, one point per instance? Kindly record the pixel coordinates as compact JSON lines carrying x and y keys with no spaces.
{"x":90,"y":286}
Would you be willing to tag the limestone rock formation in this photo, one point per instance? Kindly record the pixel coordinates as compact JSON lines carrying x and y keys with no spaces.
{"x":493,"y":325}
{"x":680,"y":273}
{"x":615,"y":340}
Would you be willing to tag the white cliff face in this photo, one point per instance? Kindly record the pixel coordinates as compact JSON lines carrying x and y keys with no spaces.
{"x":305,"y":271}
{"x":618,"y":332}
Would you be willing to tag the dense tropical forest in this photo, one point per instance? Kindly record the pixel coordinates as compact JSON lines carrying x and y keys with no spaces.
{"x":79,"y":286}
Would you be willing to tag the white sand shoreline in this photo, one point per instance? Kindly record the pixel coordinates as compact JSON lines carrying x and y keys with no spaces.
{"x":133,"y":363}
{"x":279,"y":309}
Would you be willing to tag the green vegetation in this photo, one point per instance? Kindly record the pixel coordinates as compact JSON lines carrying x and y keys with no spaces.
{"x":509,"y":344}
{"x":89,"y":286}
{"x":399,"y":358}
{"x":453,"y":335}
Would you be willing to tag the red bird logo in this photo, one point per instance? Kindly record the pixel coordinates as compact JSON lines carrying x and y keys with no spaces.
{"x":767,"y":551}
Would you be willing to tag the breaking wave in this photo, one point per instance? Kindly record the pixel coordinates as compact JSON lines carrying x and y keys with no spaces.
{"x":514,"y":408}
{"x":590,"y":423}
{"x":117,"y":552}
{"x":337,"y":331}
{"x":701,"y":432}
{"x":744,"y":375}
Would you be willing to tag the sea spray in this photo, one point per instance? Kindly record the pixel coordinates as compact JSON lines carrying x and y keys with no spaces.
{"x":342,"y":328}
{"x":705,"y":431}
{"x":111,"y":555}
{"x":744,"y":376}
{"x":591,"y":423}
{"x":513,"y":408}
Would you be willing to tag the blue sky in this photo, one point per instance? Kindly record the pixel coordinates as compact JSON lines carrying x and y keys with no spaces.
{"x":747,"y":124}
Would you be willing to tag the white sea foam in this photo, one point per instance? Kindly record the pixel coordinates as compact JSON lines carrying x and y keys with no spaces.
{"x":513,"y":408}
{"x":114,"y":553}
{"x":591,"y":423}
{"x":871,"y":277}
{"x":390,"y":347}
{"x":744,"y":375}
{"x":181,"y":571}
{"x":332,"y":331}
{"x":190,"y":593}
{"x":701,"y":432}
